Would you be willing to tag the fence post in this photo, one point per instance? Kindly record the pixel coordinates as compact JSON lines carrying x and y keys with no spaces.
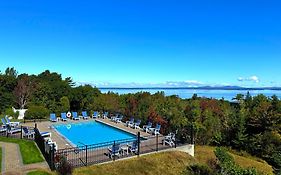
{"x":86,"y":155}
{"x":8,"y":130}
{"x":156,"y":142}
{"x":138,"y":143}
{"x":176,"y":139}
{"x":20,"y":132}
{"x":113,"y":150}
{"x":192,"y":135}
{"x":52,"y":156}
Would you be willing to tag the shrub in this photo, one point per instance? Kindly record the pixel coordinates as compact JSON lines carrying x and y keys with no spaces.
{"x":36,"y":112}
{"x":275,"y":160}
{"x":64,"y":167}
{"x":226,"y":164}
{"x":199,"y":169}
{"x":9,"y":112}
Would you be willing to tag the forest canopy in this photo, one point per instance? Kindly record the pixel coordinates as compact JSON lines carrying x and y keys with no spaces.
{"x":252,"y":124}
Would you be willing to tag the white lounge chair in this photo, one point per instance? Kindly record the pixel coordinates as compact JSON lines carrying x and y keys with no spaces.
{"x":95,"y":114}
{"x":63,"y":116}
{"x":85,"y":115}
{"x":11,"y":123}
{"x":12,"y":130}
{"x":105,"y":115}
{"x":133,"y":148}
{"x":28,"y":133}
{"x":137,"y":124}
{"x":49,"y":144}
{"x":53,"y":117}
{"x":114,"y":151}
{"x":146,"y":127}
{"x":130,"y":122}
{"x":75,"y":116}
{"x":45,"y":134}
{"x":155,"y":130}
{"x":169,"y":139}
{"x":118,"y":119}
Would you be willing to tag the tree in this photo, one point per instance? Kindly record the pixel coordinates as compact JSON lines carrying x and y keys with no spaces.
{"x":23,"y":91}
{"x":239,"y":97}
{"x":69,"y":81}
{"x":36,"y":112}
{"x":65,"y":105}
{"x":7,"y":85}
{"x":11,"y":72}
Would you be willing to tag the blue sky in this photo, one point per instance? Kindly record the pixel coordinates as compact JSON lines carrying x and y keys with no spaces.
{"x":145,"y":42}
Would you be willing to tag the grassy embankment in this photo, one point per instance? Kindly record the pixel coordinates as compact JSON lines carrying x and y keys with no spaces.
{"x":169,"y":163}
{"x":29,"y":151}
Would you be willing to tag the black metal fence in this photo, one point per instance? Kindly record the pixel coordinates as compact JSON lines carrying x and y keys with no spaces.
{"x":96,"y":153}
{"x":85,"y":155}
{"x":102,"y":152}
{"x":46,"y":148}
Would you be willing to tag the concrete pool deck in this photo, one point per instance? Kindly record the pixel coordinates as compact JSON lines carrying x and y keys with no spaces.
{"x":46,"y":126}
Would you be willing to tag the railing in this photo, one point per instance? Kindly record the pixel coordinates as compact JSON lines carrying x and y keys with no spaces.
{"x":46,"y":149}
{"x":96,"y":153}
{"x":85,"y":155}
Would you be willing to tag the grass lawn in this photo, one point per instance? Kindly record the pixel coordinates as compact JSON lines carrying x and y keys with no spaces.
{"x":168,"y":163}
{"x":0,"y":159}
{"x":39,"y":172}
{"x":29,"y":151}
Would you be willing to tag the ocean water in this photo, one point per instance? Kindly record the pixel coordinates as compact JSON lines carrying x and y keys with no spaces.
{"x":188,"y":93}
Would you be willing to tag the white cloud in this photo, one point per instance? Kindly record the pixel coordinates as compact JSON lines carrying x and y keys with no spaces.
{"x":187,"y":83}
{"x":252,"y":79}
{"x":193,"y":82}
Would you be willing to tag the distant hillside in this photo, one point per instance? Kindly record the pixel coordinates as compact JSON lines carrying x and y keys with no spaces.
{"x":198,"y":88}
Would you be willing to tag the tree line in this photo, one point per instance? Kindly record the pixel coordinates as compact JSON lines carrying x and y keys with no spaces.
{"x":251,"y":124}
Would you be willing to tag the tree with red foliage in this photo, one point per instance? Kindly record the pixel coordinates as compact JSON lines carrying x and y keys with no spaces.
{"x":155,"y":118}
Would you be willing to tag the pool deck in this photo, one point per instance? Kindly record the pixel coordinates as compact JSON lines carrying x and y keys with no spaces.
{"x":62,"y":143}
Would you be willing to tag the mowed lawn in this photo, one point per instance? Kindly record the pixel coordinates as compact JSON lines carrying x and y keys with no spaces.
{"x":29,"y":151}
{"x":168,"y":163}
{"x":39,"y":172}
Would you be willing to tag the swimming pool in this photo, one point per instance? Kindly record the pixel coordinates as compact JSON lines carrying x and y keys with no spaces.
{"x":91,"y":132}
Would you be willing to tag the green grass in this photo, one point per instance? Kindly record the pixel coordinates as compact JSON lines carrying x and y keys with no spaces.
{"x":39,"y":172}
{"x":169,"y":163}
{"x":29,"y":151}
{"x":0,"y":159}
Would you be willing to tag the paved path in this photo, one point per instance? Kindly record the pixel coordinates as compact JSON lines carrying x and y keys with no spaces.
{"x":12,"y":160}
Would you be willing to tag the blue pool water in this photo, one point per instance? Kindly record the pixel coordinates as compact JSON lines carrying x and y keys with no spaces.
{"x":91,"y":132}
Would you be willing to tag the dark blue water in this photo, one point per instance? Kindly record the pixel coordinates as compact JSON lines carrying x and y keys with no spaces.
{"x":188,"y":93}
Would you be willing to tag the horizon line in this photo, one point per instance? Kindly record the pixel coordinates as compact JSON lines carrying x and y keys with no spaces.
{"x":199,"y":88}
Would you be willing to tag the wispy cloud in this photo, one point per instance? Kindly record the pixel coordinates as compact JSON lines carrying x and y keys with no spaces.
{"x":187,"y":83}
{"x":251,"y":79}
